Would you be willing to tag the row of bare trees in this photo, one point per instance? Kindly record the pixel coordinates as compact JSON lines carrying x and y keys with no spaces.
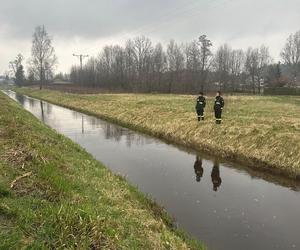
{"x":143,"y":66}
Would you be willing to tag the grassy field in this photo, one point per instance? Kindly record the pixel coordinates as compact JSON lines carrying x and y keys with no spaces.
{"x":261,"y":131}
{"x":54,"y":195}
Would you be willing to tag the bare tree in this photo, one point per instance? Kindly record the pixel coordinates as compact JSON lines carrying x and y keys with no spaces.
{"x":43,"y":55}
{"x":175,"y":59}
{"x":206,"y":55}
{"x":236,"y":67}
{"x":291,"y":53}
{"x":17,"y":70}
{"x":264,"y":59}
{"x":15,"y":64}
{"x":193,"y":63}
{"x":251,"y":65}
{"x":159,"y":63}
{"x":142,"y":54}
{"x":256,"y":63}
{"x":221,"y":64}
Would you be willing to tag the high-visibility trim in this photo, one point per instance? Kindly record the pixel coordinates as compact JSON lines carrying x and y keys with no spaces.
{"x":218,"y":119}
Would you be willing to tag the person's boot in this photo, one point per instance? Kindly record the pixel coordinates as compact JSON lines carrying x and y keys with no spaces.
{"x":199,"y":118}
{"x":202,"y":118}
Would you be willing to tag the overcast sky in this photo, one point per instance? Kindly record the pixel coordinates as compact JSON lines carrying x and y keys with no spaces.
{"x":79,"y":26}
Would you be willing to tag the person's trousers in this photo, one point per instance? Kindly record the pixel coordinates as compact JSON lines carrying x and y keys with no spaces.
{"x":200,"y":113}
{"x":218,"y":115}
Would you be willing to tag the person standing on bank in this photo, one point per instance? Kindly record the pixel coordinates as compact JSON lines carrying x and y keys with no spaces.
{"x":218,"y":107}
{"x":200,"y":106}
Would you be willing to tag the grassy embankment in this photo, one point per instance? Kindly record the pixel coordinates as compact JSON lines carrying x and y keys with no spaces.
{"x":54,"y":195}
{"x":261,"y":131}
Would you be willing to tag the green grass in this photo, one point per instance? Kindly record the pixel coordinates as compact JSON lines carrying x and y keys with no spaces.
{"x":260,"y":131}
{"x":68,"y":200}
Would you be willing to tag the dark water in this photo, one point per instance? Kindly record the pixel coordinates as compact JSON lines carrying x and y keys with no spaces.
{"x":229,"y":207}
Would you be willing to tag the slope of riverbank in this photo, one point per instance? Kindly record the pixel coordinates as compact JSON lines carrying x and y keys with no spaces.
{"x":54,"y":195}
{"x":260,"y":131}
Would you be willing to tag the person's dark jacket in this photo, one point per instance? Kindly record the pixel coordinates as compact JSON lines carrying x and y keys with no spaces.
{"x":219,"y":103}
{"x":201,"y":103}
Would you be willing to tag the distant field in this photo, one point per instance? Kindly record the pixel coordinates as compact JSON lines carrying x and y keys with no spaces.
{"x":262,"y":131}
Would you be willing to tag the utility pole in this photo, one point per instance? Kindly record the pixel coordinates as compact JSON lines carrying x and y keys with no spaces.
{"x":81,"y":57}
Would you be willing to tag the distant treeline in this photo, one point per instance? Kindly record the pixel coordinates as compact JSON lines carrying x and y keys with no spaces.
{"x":141,"y":66}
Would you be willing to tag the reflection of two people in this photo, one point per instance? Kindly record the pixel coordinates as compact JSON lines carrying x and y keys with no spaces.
{"x":215,"y":173}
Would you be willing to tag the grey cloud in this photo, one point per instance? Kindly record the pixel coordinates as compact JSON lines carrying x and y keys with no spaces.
{"x":172,"y":18}
{"x":80,"y":18}
{"x":236,"y":21}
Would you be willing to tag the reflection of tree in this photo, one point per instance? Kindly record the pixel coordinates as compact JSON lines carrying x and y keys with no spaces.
{"x":82,"y":125}
{"x":76,"y":115}
{"x":115,"y":132}
{"x":20,"y":99}
{"x":112,"y":131}
{"x":42,"y":111}
{"x":215,"y":176}
{"x":48,"y":108}
{"x":32,"y":102}
{"x":129,"y":139}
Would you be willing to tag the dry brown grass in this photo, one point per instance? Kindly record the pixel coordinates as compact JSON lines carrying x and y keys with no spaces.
{"x":262,"y":131}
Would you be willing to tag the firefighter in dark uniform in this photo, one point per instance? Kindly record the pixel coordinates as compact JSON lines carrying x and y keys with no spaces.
{"x":218,"y":107}
{"x":200,"y":106}
{"x":215,"y":176}
{"x":198,"y":168}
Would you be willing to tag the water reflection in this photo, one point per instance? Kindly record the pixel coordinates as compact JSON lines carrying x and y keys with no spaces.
{"x":111,"y":131}
{"x":42,"y":111}
{"x":20,"y":99}
{"x":215,"y":176}
{"x":198,"y":168}
{"x":82,"y":125}
{"x":32,"y":103}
